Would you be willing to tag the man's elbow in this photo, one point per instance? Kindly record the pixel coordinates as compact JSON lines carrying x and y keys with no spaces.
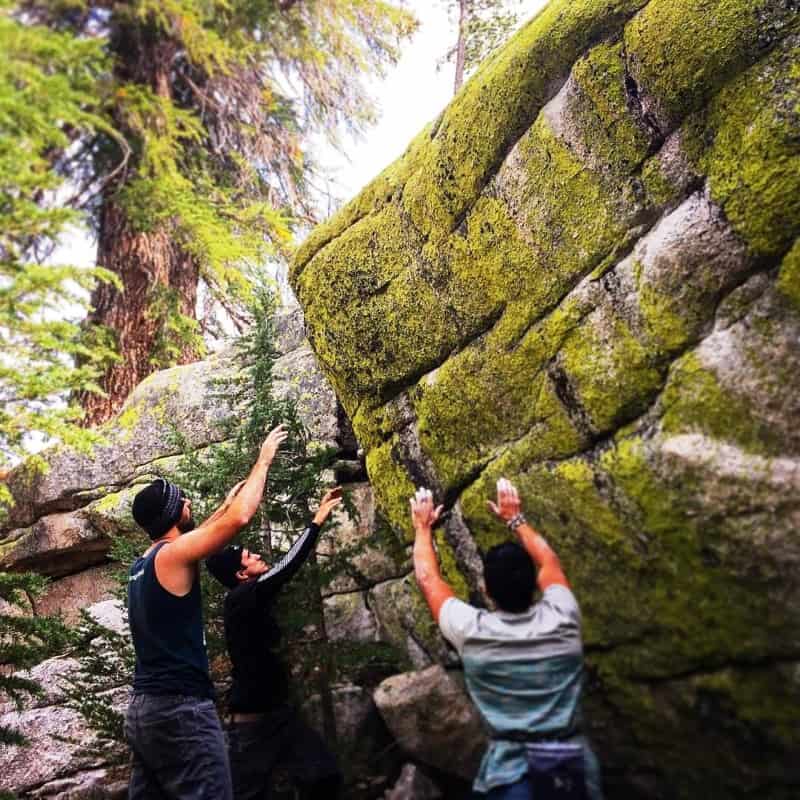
{"x":239,"y":517}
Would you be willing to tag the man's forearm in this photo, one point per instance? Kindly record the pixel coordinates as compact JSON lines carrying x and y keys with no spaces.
{"x":426,"y":565}
{"x":247,"y":500}
{"x":534,"y":544}
{"x":542,"y":555}
{"x":433,"y":586}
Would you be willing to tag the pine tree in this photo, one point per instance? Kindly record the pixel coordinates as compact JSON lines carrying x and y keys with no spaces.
{"x":47,"y":98}
{"x":213,"y":103}
{"x":24,"y":641}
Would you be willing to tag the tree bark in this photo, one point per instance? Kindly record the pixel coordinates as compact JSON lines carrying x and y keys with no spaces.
{"x":144,"y":262}
{"x":463,"y":15}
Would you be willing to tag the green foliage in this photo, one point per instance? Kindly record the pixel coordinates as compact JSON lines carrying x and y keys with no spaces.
{"x":190,"y":118}
{"x":215,"y":103}
{"x":24,"y":641}
{"x":48,"y":84}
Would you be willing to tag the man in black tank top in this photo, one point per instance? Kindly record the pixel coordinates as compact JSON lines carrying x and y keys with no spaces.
{"x":265,"y":731}
{"x":172,"y":724}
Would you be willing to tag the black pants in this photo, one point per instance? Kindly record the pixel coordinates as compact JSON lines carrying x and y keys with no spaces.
{"x":280,"y":739}
{"x":178,"y":749}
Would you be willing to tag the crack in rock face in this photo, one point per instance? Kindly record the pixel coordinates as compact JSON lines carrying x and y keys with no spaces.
{"x":586,"y":278}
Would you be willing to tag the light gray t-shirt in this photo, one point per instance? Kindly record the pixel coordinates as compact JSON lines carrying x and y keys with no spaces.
{"x":524,"y":672}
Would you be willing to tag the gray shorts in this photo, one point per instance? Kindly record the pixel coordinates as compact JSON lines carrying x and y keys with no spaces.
{"x":178,"y":749}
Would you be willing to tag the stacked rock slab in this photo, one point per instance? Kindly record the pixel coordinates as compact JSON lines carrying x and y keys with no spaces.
{"x":585,"y":276}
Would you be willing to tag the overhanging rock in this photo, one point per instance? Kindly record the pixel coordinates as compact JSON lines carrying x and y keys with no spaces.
{"x":585,"y":276}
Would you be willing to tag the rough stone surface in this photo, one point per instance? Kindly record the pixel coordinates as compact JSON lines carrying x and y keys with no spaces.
{"x":110,"y":614}
{"x":55,"y":545}
{"x":297,"y":374}
{"x":369,"y":552}
{"x":365,"y":746}
{"x":93,"y":784}
{"x":58,"y":738}
{"x":50,"y":675}
{"x":347,"y":618}
{"x":405,"y":622}
{"x":413,"y":784}
{"x":585,"y":276}
{"x":69,"y":595}
{"x":433,"y":720}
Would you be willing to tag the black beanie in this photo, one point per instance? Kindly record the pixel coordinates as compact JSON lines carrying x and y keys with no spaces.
{"x":225,"y":564}
{"x":158,"y":507}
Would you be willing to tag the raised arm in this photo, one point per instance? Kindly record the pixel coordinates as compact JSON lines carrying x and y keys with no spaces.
{"x":287,"y":567}
{"x":509,"y":509}
{"x":433,"y":586}
{"x":184,"y":552}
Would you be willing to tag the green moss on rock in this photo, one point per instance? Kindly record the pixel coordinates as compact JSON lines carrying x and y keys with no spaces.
{"x":393,"y":486}
{"x":601,"y":111}
{"x":789,"y":276}
{"x":682,"y":51}
{"x":753,"y":160}
{"x":449,"y":567}
{"x":611,"y":372}
{"x":463,"y":420}
{"x":702,"y":614}
{"x":694,"y":401}
{"x":658,"y":185}
{"x":510,"y":89}
{"x":570,"y":215}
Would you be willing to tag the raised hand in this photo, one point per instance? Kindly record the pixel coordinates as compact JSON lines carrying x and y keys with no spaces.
{"x":233,"y":492}
{"x":423,"y":514}
{"x":331,"y":499}
{"x":508,"y":503}
{"x":277,"y":436}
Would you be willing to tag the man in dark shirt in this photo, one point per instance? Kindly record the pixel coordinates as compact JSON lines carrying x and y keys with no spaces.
{"x":171,"y":724}
{"x":265,"y":731}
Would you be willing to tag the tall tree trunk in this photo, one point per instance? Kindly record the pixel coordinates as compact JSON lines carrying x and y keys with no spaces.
{"x":145,"y":262}
{"x":463,"y":18}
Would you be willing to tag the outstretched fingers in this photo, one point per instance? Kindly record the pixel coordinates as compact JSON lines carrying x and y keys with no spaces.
{"x":422,"y":510}
{"x":508,"y":503}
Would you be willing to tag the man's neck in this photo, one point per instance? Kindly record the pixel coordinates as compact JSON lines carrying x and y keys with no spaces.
{"x":170,"y":536}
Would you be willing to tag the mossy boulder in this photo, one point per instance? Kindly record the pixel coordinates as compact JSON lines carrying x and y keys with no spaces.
{"x":584,"y":276}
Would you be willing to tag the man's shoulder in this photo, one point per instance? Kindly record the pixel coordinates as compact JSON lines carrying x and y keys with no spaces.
{"x":240,"y":598}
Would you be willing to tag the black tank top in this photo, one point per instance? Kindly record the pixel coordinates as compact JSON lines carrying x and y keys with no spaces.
{"x":167,"y":634}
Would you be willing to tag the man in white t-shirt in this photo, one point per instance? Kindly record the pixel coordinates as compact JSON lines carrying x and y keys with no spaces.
{"x":523,"y":663}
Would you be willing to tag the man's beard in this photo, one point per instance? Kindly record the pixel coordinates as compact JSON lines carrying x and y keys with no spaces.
{"x":188,"y":525}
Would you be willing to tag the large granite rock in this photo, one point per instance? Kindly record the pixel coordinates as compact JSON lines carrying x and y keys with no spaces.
{"x":367,"y":551}
{"x":70,"y":595}
{"x":433,"y":720}
{"x":585,"y":276}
